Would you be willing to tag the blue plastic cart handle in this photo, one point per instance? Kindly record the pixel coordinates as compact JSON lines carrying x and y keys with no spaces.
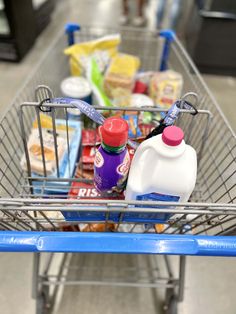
{"x":70,"y":29}
{"x":91,"y":242}
{"x":169,"y":36}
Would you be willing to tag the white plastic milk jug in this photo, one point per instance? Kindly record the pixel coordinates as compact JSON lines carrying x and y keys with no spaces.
{"x":164,"y":168}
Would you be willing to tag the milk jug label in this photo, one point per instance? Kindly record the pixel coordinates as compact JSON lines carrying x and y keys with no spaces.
{"x":158,"y":197}
{"x":158,"y":217}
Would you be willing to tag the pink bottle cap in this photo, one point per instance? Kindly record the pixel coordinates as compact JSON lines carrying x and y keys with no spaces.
{"x":172,"y":135}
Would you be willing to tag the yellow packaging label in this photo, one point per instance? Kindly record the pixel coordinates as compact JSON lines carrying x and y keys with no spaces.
{"x":46,"y":123}
{"x":165,"y":88}
{"x":102,"y":50}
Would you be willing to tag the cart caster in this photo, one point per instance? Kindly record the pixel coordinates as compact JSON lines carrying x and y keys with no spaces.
{"x":171,"y":302}
{"x":42,"y":304}
{"x":172,"y":306}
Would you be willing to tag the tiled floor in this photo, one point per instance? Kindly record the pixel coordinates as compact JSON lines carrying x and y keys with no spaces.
{"x":210,"y":282}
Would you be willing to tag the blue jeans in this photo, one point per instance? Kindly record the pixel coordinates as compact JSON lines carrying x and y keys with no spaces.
{"x":174,"y":12}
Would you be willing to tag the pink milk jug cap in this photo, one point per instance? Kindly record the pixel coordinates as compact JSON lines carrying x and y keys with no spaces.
{"x":172,"y":135}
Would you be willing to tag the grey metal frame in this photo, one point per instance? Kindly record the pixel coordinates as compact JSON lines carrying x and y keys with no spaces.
{"x":148,"y":276}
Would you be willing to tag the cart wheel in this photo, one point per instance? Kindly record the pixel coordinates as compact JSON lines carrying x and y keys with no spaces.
{"x":172,"y":306}
{"x":171,"y":302}
{"x":41,"y":305}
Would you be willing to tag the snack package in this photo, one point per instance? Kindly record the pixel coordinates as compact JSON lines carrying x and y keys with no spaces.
{"x":95,"y":79}
{"x":146,"y":128}
{"x":134,"y":130}
{"x":84,"y":190}
{"x":187,"y":229}
{"x":109,"y":227}
{"x":121,"y":97}
{"x":165,"y":88}
{"x":87,"y":158}
{"x":140,"y":87}
{"x":120,"y":76}
{"x":83,"y":173}
{"x":88,"y":154}
{"x":101,"y":49}
{"x":90,"y":137}
{"x":47,"y":123}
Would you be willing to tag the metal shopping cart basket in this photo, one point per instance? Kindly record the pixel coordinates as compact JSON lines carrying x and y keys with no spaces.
{"x":33,"y":220}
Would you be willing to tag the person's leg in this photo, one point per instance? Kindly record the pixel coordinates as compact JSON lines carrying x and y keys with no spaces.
{"x":140,"y":5}
{"x":125,"y":7}
{"x":175,"y":13}
{"x":124,"y":18}
{"x":160,"y":13}
{"x":140,"y":19}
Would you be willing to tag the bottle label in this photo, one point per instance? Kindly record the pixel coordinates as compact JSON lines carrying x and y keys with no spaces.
{"x":99,"y":160}
{"x":110,"y":171}
{"x":123,"y":168}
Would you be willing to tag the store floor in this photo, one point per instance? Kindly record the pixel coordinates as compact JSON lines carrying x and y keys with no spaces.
{"x":210,"y":282}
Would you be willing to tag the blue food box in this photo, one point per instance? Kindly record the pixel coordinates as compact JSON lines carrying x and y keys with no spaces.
{"x":67,"y":165}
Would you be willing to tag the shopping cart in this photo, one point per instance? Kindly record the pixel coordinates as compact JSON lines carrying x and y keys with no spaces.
{"x":33,"y":220}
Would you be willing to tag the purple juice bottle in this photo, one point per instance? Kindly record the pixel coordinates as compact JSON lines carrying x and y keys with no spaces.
{"x":112,"y":160}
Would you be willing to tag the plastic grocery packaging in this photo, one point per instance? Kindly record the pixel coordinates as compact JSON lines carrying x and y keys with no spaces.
{"x":95,"y":77}
{"x":120,"y":76}
{"x":112,"y":160}
{"x":165,"y":88}
{"x":164,"y":168}
{"x":102,"y":50}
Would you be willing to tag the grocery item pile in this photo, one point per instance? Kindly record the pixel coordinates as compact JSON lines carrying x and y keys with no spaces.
{"x":115,"y":76}
{"x":103,"y":160}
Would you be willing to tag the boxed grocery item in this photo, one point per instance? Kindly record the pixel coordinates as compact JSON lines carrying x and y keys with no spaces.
{"x":35,"y":152}
{"x":88,"y":155}
{"x":90,"y":137}
{"x":86,"y":190}
{"x":120,"y":76}
{"x":132,"y":120}
{"x":66,"y":159}
{"x":165,"y":88}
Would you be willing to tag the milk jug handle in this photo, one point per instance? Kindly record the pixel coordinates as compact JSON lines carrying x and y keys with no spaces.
{"x":141,"y":150}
